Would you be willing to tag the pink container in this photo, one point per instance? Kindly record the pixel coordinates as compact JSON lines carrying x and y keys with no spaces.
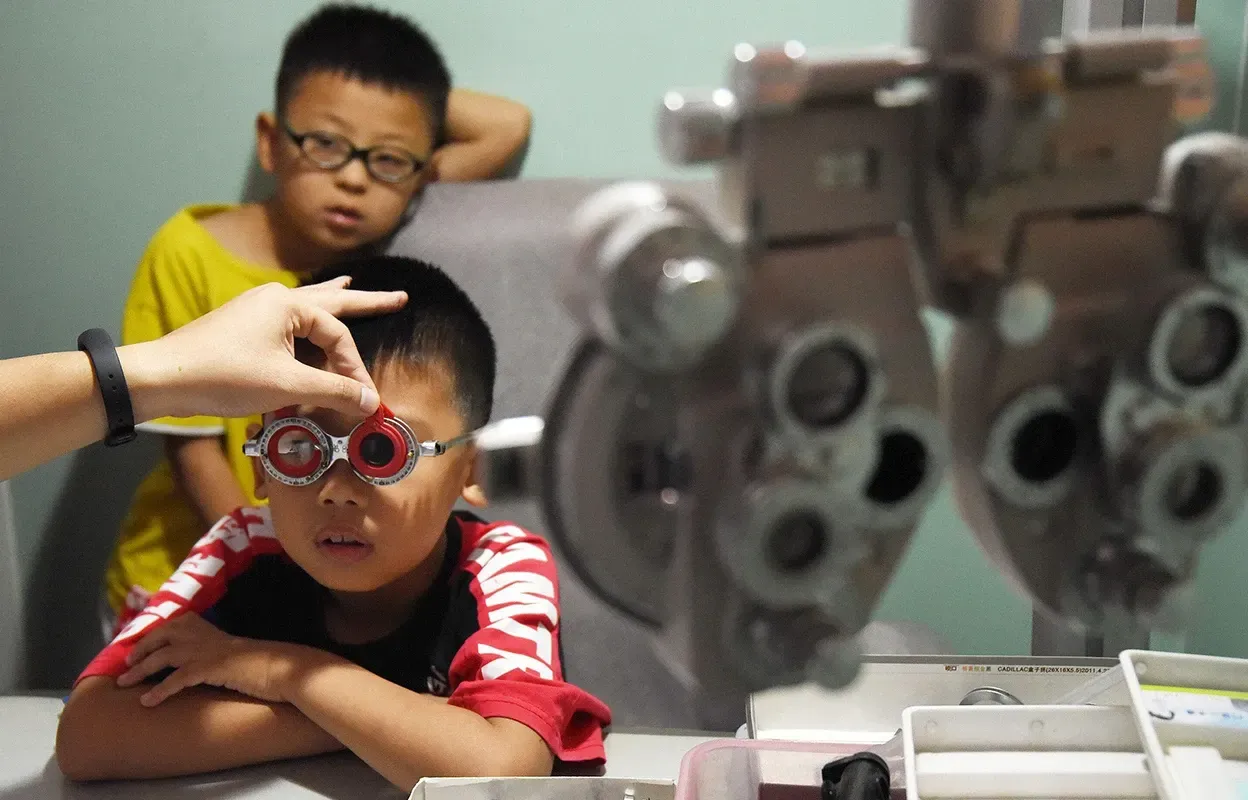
{"x":754,"y":769}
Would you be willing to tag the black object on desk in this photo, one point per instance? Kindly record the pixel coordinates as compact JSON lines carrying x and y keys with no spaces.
{"x":863,"y":776}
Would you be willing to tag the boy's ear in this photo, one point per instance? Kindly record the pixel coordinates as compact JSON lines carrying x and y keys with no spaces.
{"x":473,"y":492}
{"x":266,"y":141}
{"x":257,"y":469}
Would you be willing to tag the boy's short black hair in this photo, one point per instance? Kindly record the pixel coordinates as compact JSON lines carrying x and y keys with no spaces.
{"x":368,"y":45}
{"x":440,"y":326}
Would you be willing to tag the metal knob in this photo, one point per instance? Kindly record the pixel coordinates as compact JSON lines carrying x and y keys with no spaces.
{"x":695,"y":125}
{"x":652,"y":277}
{"x":1203,"y":185}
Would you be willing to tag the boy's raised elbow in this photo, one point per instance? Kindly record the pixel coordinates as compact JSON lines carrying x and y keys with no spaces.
{"x":516,"y":124}
{"x":523,"y":122}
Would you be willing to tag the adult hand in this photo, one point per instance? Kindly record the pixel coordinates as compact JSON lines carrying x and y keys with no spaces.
{"x":240,"y":358}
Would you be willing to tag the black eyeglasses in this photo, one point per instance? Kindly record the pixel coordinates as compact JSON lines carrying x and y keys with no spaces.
{"x":332,"y":151}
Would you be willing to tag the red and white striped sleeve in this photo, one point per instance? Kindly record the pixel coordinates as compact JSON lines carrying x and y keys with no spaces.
{"x":511,"y":667}
{"x":225,"y":552}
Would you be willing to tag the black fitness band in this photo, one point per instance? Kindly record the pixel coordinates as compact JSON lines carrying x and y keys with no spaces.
{"x":98,"y":346}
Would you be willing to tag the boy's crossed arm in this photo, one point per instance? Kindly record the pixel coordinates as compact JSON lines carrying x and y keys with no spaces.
{"x":106,"y":734}
{"x":287,"y":701}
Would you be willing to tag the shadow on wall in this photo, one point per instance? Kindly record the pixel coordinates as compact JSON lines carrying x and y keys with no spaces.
{"x":257,"y":185}
{"x":62,"y":623}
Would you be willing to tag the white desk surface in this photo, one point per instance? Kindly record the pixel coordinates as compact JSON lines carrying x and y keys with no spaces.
{"x":28,"y":770}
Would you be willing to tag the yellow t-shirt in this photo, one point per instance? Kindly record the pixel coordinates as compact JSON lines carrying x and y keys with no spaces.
{"x":184,"y":274}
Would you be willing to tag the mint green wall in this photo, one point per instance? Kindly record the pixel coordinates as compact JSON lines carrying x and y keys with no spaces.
{"x":1217,"y":624}
{"x":1222,"y":22}
{"x":112,"y":115}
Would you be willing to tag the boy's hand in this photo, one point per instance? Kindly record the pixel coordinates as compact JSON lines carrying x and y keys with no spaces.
{"x":200,"y":653}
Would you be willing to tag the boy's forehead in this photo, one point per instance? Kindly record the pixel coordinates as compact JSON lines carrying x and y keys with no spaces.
{"x":361,"y":109}
{"x":417,"y":394}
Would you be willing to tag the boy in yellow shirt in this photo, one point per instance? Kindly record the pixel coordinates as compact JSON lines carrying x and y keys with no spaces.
{"x":363,"y":103}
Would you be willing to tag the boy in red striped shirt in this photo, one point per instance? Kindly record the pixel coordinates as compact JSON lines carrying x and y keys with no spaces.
{"x":358,"y":610}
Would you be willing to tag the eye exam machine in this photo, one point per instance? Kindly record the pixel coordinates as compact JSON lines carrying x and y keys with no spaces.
{"x":740,"y":449}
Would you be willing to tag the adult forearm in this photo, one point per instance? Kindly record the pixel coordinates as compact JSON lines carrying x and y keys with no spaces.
{"x":50,"y":404}
{"x":106,"y":734}
{"x":403,"y":735}
{"x":231,"y":362}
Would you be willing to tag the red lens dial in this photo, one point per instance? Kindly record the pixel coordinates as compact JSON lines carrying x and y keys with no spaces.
{"x":377,"y":449}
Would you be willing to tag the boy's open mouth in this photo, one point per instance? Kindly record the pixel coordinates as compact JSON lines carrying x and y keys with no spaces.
{"x":343,"y":545}
{"x":343,"y":216}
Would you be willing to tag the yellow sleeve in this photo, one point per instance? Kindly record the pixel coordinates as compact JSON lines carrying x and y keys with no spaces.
{"x":167,"y":292}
